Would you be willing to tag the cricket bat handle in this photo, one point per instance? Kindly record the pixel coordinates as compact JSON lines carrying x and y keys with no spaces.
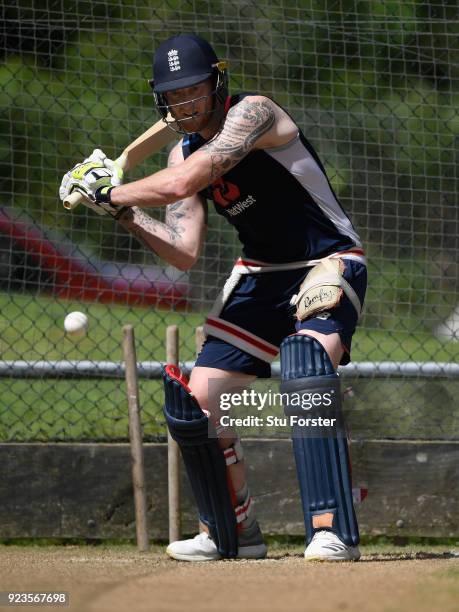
{"x":153,"y":140}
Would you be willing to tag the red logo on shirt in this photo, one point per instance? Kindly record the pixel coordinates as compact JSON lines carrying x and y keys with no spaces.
{"x":224,"y":192}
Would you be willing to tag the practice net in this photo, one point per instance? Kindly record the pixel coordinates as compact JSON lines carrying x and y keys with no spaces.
{"x":374,"y":85}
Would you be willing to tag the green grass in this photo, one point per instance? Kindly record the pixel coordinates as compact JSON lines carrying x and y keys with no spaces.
{"x":376,"y":345}
{"x":31,"y":328}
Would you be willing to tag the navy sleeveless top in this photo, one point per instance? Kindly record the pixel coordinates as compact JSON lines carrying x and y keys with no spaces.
{"x":280,"y":201}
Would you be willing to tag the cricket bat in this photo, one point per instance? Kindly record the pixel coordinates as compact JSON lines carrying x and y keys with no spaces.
{"x":151,"y":141}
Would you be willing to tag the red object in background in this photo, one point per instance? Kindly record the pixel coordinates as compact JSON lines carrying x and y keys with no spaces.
{"x":76,"y":279}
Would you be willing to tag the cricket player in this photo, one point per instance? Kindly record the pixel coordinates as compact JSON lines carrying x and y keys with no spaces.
{"x":297,"y":289}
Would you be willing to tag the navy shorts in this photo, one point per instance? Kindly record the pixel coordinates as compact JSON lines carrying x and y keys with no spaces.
{"x":246,"y":335}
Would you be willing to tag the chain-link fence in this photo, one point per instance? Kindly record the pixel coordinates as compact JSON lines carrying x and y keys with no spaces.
{"x":375,"y":87}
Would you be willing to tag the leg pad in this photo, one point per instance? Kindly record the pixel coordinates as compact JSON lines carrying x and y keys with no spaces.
{"x":322,"y":463}
{"x":204,"y":461}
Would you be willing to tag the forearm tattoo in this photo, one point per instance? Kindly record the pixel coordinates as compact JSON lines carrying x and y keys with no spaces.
{"x":141,"y":225}
{"x":174,"y":213}
{"x":152,"y":232}
{"x":244,"y":124}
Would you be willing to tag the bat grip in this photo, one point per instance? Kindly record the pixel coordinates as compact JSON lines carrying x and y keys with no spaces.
{"x":73,"y":200}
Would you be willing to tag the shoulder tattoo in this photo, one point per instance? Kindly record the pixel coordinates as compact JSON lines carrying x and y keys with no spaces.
{"x":244,"y":124}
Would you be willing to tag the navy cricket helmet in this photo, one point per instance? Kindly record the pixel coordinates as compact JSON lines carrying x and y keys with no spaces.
{"x":182,"y":61}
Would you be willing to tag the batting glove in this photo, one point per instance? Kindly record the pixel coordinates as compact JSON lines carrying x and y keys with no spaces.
{"x":99,"y":156}
{"x":94,"y":180}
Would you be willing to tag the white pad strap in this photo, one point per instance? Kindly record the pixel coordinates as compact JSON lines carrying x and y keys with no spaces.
{"x":245,"y":266}
{"x":243,"y":510}
{"x":225,"y":293}
{"x":234,"y":453}
{"x":348,"y":290}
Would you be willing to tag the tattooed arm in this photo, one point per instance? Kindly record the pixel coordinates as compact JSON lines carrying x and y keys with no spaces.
{"x":255,"y":122}
{"x":179,"y":239}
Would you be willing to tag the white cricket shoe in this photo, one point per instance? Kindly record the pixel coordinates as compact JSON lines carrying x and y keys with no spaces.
{"x":199,"y":548}
{"x":202,"y":548}
{"x":326,"y":546}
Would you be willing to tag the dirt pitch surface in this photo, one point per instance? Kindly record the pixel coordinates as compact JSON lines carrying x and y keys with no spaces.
{"x":118,"y":579}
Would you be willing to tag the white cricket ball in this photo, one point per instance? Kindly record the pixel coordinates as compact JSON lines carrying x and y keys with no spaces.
{"x":76,"y":324}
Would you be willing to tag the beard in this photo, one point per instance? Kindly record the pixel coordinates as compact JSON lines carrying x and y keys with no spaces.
{"x":197,"y":122}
